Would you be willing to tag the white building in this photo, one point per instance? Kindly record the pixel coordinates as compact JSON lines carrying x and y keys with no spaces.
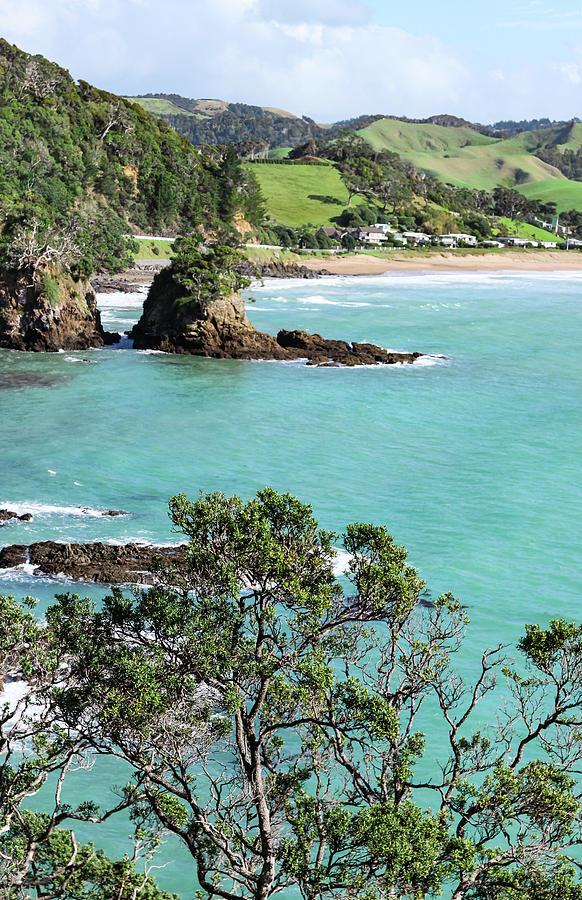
{"x":416,"y":237}
{"x":371,"y":235}
{"x":453,"y":240}
{"x":514,"y":241}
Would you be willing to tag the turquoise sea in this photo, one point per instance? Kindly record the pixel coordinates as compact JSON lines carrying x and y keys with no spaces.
{"x":474,"y":462}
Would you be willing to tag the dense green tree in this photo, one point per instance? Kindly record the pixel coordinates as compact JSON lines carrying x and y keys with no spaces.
{"x":39,"y":854}
{"x":273,"y":717}
{"x":80,"y":166}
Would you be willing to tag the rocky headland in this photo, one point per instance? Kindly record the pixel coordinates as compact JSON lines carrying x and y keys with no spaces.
{"x":93,"y":562}
{"x":47,"y":310}
{"x":220,"y":329}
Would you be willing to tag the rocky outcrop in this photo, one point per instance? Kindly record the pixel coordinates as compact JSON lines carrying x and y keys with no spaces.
{"x":49,"y":310}
{"x":276,"y":269}
{"x":113,"y":284}
{"x":93,"y":562}
{"x":222,"y":330}
{"x":7,"y":515}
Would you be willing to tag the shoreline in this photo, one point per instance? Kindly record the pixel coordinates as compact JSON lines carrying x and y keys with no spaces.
{"x":492,"y":261}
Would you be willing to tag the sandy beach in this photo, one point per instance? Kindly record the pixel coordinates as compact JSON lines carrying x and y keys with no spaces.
{"x":496,"y":260}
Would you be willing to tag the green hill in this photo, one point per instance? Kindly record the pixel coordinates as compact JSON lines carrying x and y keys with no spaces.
{"x":466,"y":158}
{"x":462,"y":156}
{"x":565,"y":194}
{"x":218,"y":122}
{"x":298,"y":195}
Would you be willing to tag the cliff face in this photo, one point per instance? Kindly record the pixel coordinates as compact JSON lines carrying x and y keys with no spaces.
{"x":48,"y":310}
{"x":221,"y":330}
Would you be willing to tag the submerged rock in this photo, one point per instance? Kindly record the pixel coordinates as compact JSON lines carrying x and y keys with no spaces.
{"x":93,"y":562}
{"x":47,"y":310}
{"x":7,"y":515}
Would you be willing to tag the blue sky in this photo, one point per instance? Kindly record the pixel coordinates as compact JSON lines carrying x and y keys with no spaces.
{"x":328,"y":59}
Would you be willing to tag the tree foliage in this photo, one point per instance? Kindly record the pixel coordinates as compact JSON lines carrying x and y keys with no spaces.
{"x":77,"y":165}
{"x":282,"y":723}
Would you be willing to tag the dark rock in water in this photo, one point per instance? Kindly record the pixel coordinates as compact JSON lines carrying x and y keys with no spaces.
{"x":115,"y":512}
{"x":109,"y":284}
{"x":47,"y":309}
{"x":222,"y":330}
{"x":323,"y":352}
{"x":93,"y":562}
{"x":111,"y":337}
{"x":7,"y":515}
{"x":276,"y":269}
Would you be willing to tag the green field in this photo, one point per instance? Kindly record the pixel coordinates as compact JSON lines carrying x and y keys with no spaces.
{"x":302,"y":195}
{"x":162,"y":107}
{"x":565,"y":194}
{"x":525,"y":230}
{"x":280,"y":152}
{"x":153,"y":249}
{"x":462,"y":156}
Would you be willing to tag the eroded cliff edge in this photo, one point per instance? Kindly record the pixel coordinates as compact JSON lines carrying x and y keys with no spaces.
{"x":48,"y":310}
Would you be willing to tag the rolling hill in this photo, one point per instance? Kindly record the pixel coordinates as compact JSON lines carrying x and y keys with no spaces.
{"x":456,"y":151}
{"x":466,"y":158}
{"x":219,"y":122}
{"x":302,"y":194}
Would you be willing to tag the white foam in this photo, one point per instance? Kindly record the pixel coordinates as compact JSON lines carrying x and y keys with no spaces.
{"x":51,"y":471}
{"x":342,"y":561}
{"x":120,"y":300}
{"x":49,"y":509}
{"x":23,"y":572}
{"x":429,"y":360}
{"x":324,"y":301}
{"x":13,"y":692}
{"x":151,"y":352}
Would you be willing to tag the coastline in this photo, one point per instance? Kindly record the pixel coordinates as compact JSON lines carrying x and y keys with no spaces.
{"x":494,"y":261}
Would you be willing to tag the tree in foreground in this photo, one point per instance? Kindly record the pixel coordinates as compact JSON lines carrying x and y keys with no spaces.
{"x":40,"y":856}
{"x":309,"y":739}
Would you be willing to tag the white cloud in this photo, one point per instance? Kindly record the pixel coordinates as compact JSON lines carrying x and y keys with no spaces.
{"x":255,"y":51}
{"x":571,"y":71}
{"x":331,"y":12}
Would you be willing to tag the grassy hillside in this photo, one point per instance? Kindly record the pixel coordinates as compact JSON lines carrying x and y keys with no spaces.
{"x":298,"y":195}
{"x":150,"y":248}
{"x":525,"y":230}
{"x":160,"y":107}
{"x":566,"y":194}
{"x":462,"y":156}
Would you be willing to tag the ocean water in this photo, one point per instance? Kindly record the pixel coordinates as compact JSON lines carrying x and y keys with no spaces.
{"x":472,"y":461}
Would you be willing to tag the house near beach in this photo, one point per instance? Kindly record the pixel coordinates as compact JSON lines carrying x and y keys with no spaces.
{"x":417,"y":237}
{"x":370,"y":235}
{"x":453,"y":240}
{"x":331,"y":232}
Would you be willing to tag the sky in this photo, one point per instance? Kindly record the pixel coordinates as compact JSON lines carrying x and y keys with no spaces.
{"x":327,"y":59}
